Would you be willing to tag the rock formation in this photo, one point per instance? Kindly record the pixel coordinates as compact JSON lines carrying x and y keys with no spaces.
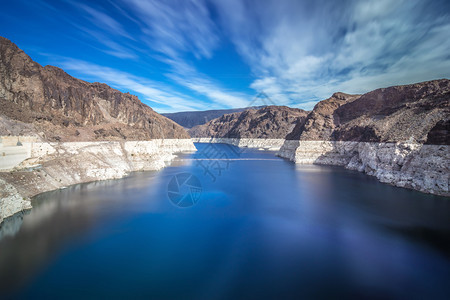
{"x":270,"y":122}
{"x":399,"y":134}
{"x":405,"y":113}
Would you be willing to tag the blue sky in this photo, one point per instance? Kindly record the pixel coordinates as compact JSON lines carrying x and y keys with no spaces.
{"x":196,"y":55}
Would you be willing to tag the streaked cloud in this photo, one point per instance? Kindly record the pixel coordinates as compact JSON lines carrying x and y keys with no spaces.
{"x":177,"y":54}
{"x":309,"y":49}
{"x":152,"y":92}
{"x":173,"y":26}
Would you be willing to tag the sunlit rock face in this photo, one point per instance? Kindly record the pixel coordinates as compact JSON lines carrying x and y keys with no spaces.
{"x":50,"y":103}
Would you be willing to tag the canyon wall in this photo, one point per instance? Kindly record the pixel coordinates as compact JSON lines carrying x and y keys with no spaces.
{"x":400,"y":134}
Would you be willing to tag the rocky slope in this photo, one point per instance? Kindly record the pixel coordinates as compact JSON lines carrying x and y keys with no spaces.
{"x":399,"y":134}
{"x":270,"y":122}
{"x":60,"y":107}
{"x":407,"y":113}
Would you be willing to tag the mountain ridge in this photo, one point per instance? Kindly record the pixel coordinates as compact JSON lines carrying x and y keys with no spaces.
{"x":393,"y":114}
{"x":61,"y":107}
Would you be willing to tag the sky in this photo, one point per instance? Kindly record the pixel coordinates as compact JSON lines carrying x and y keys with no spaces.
{"x":184,"y":55}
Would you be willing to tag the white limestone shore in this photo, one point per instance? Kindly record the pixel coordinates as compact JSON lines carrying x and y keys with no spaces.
{"x":266,"y":144}
{"x":50,"y":166}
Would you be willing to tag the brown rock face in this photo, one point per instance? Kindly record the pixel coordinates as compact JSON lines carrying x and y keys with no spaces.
{"x":271,"y":122}
{"x":62,"y":108}
{"x":417,"y":113}
{"x":319,"y":124}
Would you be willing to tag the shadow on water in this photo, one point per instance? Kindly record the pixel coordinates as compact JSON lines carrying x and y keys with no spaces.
{"x":262,"y":228}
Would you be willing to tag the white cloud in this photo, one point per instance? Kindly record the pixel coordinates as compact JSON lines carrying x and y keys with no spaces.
{"x":187,"y":76}
{"x":306,"y":50}
{"x":175,"y":26}
{"x":163,"y":97}
{"x":102,"y":20}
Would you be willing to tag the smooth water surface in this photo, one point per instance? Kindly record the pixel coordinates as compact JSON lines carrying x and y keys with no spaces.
{"x":261,"y":227}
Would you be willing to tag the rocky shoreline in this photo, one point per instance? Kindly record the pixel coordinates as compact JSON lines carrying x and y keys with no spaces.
{"x":410,"y":165}
{"x":424,"y":168}
{"x":266,"y":144}
{"x":399,"y":134}
{"x":52,"y":166}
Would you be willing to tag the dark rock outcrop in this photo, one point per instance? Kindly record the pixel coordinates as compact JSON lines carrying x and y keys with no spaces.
{"x":60,"y":107}
{"x":270,"y":122}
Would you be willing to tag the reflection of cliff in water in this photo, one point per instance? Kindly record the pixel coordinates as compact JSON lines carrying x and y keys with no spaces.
{"x":59,"y":217}
{"x":10,"y":226}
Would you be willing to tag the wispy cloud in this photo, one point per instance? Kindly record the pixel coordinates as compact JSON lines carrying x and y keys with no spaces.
{"x":297,"y":52}
{"x":308,"y":49}
{"x":157,"y":94}
{"x":175,"y":26}
{"x":187,"y":76}
{"x":103,"y":20}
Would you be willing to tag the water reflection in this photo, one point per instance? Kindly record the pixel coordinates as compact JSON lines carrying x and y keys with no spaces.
{"x":263,"y":229}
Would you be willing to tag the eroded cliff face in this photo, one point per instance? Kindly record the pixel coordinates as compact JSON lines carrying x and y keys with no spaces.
{"x":58,"y":107}
{"x":320,"y":123}
{"x":405,"y":113}
{"x":398,"y":134}
{"x":270,"y":122}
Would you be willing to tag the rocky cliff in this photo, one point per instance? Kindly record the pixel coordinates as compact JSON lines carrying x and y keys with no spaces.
{"x":399,"y":134}
{"x":270,"y":122}
{"x":410,"y":113}
{"x":58,"y":107}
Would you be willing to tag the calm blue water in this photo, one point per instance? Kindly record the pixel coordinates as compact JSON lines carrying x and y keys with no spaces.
{"x":261,"y":228}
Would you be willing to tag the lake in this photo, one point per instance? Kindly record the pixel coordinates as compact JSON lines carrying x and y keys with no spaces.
{"x":227,"y":223}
